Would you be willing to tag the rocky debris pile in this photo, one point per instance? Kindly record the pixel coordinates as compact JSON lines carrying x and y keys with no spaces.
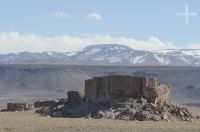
{"x":122,"y":98}
{"x":131,"y":109}
{"x":115,"y":97}
{"x":143,"y":111}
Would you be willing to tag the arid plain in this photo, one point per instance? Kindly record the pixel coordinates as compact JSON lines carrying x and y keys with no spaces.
{"x":30,"y":83}
{"x":31,"y":122}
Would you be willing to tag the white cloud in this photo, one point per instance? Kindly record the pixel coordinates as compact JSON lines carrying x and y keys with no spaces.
{"x":59,"y":14}
{"x":16,"y":42}
{"x":93,"y":16}
{"x":193,"y":46}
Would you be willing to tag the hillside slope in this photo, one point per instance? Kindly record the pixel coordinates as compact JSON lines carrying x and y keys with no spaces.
{"x":108,"y":54}
{"x":37,"y":79}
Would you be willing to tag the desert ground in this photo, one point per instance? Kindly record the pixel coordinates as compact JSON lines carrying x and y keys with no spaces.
{"x":30,"y":122}
{"x":40,"y":82}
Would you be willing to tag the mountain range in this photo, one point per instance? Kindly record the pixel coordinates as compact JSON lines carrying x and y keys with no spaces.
{"x":108,"y":54}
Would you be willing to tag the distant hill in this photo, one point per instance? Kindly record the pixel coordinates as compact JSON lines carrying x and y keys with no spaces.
{"x":108,"y":54}
{"x":38,"y":79}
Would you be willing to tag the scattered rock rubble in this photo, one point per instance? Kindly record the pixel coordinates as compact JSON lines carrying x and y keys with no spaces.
{"x":122,"y":98}
{"x":131,"y":109}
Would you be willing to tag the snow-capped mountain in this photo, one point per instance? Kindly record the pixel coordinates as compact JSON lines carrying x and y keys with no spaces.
{"x":109,"y":54}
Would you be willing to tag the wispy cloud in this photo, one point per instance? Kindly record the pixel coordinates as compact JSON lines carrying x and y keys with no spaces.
{"x":16,"y":42}
{"x":59,"y":14}
{"x":93,"y":16}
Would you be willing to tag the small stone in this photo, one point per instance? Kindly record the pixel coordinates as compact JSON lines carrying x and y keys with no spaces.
{"x":142,"y":115}
{"x":189,"y":120}
{"x":48,"y":116}
{"x":149,"y":107}
{"x":165,"y":116}
{"x":181,"y":113}
{"x":58,"y":114}
{"x":102,"y":114}
{"x":142,"y":101}
{"x":197,"y":116}
{"x":156,"y":118}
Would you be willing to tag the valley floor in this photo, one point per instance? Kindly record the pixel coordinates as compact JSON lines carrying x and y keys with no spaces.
{"x":31,"y":122}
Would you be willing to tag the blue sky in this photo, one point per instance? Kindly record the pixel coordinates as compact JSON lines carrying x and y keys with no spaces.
{"x":138,"y":20}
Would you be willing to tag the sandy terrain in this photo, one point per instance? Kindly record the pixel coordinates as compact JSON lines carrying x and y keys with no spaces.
{"x":31,"y":122}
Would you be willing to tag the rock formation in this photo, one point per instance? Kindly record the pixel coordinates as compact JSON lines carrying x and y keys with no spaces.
{"x":122,"y":98}
{"x":130,"y":109}
{"x":117,"y":88}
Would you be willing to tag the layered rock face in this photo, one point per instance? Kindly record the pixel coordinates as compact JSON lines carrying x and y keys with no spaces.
{"x":118,"y":88}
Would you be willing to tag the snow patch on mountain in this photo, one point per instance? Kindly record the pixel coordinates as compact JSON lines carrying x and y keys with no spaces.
{"x":137,"y":60}
{"x":194,"y":53}
{"x":109,"y":53}
{"x":184,"y":59}
{"x":162,"y":60}
{"x":93,"y":51}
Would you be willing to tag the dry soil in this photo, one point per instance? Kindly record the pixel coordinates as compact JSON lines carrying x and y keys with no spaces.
{"x":31,"y":122}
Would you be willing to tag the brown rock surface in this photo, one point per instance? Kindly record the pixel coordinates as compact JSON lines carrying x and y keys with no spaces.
{"x":121,"y":98}
{"x":115,"y":88}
